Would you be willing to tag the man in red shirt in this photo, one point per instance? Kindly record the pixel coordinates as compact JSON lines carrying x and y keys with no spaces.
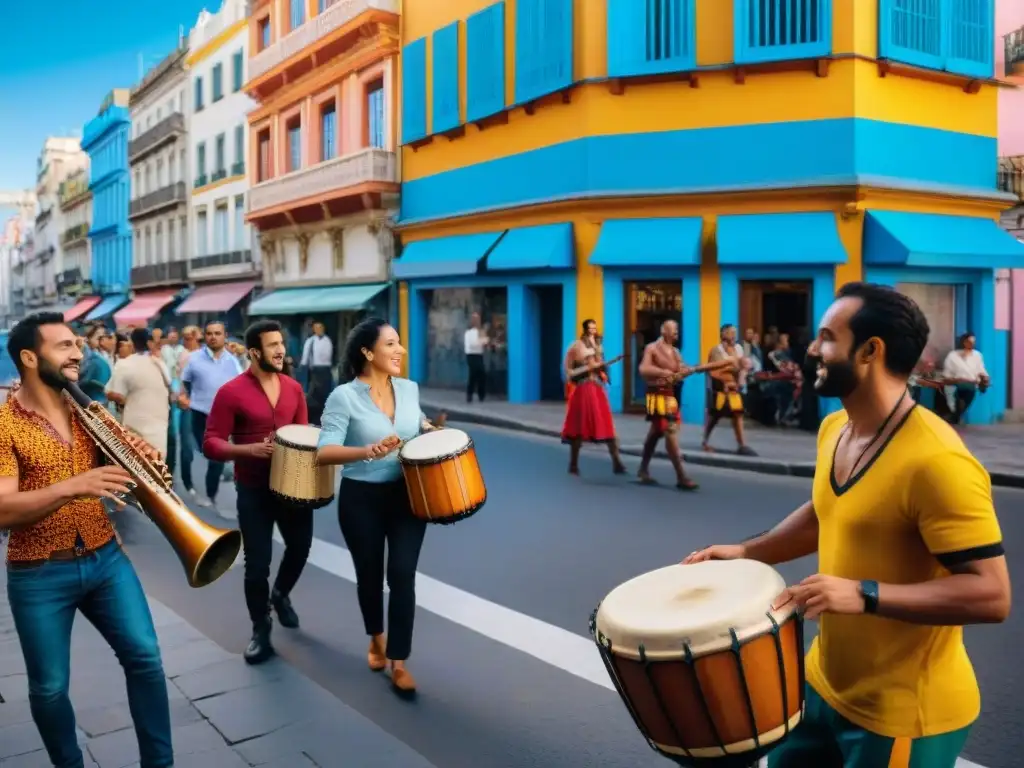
{"x":245,"y":414}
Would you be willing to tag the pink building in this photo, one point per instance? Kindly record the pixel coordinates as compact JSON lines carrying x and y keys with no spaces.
{"x":1010,"y":285}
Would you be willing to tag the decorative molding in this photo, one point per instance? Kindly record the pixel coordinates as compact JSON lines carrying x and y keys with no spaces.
{"x":303,"y":240}
{"x":338,"y":243}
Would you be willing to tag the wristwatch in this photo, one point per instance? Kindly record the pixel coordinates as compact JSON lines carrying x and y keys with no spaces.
{"x":869,"y":590}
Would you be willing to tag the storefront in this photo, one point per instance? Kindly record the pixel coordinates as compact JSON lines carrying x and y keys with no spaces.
{"x":218,"y":302}
{"x":148,"y":308}
{"x":107,"y":307}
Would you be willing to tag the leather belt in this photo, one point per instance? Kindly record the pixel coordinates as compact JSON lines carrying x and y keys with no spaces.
{"x":57,"y":556}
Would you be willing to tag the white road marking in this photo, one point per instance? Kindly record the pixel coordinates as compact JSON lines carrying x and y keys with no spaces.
{"x":568,"y":651}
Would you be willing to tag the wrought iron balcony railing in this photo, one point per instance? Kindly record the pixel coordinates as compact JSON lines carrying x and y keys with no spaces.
{"x":164,"y":132}
{"x":165,"y":197}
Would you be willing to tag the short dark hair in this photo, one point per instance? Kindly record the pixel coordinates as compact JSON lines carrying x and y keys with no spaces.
{"x":93,"y":331}
{"x":363,"y":336}
{"x":962,"y":339}
{"x":892,"y":317}
{"x":254,"y":333}
{"x":27,"y":334}
{"x":140,"y":338}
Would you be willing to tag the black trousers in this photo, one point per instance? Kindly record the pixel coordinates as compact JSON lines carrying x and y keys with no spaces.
{"x":477,"y":381}
{"x":258,"y":511}
{"x":214,"y":469}
{"x":372,"y":515}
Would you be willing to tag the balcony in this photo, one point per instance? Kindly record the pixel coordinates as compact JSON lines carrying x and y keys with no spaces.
{"x":1010,"y":176}
{"x":164,"y":132}
{"x":1014,"y":45}
{"x":160,"y":274}
{"x":317,"y":33}
{"x":342,"y":177}
{"x":71,"y":282}
{"x":233,"y":264}
{"x":73,"y":235}
{"x":73,"y":191}
{"x":238,"y":169}
{"x":46,"y":254}
{"x":154,"y":202}
{"x":43,"y":216}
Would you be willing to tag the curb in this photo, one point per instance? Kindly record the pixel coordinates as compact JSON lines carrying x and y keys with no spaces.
{"x":696,"y":458}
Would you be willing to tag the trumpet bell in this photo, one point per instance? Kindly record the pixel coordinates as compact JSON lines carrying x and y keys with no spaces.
{"x":216,"y":560}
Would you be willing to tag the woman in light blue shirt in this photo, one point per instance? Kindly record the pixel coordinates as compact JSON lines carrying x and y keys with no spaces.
{"x":363,"y":424}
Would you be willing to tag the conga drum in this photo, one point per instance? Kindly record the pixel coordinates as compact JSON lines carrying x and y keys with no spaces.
{"x":709,"y":672}
{"x":443,"y":476}
{"x":295,"y":477}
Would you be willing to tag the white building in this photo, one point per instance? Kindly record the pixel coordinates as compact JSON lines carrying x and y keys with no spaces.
{"x":224,"y":265}
{"x":75,"y":201}
{"x":60,"y":158}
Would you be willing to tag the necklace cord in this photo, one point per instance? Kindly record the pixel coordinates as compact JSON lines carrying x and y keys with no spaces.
{"x":876,"y":438}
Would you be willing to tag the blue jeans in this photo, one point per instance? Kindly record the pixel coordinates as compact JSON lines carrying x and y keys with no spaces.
{"x":185,"y":445}
{"x":106,"y":589}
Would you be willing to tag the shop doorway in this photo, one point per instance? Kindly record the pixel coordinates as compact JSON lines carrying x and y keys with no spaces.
{"x":782,"y":307}
{"x":648,"y":305}
{"x":549,"y":301}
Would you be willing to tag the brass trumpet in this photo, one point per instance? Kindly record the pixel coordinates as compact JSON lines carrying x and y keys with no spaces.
{"x":205,"y":552}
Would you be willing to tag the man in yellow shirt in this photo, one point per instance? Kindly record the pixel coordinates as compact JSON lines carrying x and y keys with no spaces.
{"x":909,"y":551}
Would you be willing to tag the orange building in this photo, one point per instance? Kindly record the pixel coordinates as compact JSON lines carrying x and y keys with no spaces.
{"x":323,"y":167}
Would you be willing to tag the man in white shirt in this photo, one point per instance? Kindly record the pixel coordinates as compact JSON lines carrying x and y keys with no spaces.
{"x":318,"y":359}
{"x":141,"y":385}
{"x":964,"y":372}
{"x":476,"y":341}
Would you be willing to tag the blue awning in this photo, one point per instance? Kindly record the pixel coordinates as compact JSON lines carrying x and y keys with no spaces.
{"x":648,"y":243}
{"x":549,"y":246}
{"x":444,"y":256}
{"x":896,"y":238}
{"x":304,"y":301}
{"x":771,"y":239}
{"x":108,"y":306}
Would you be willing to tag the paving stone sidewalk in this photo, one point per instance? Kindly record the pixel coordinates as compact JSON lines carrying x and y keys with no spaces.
{"x":999,"y":447}
{"x":224,"y":713}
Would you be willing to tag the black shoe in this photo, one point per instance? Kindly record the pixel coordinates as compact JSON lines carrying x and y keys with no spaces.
{"x":259,"y":648}
{"x":285,"y":612}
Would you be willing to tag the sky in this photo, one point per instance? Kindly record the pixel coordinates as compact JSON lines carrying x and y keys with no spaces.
{"x":59,"y":58}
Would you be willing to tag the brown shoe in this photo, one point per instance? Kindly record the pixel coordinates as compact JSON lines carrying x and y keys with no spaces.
{"x":402,"y":680}
{"x":375,"y":656}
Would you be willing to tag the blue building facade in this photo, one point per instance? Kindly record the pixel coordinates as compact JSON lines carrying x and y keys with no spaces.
{"x":105,"y":138}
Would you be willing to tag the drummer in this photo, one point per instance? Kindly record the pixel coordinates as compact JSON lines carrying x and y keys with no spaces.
{"x":241,"y":428}
{"x":364,"y":422}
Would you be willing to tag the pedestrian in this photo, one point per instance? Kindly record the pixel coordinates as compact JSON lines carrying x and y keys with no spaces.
{"x":318,"y":359}
{"x":63,"y":555}
{"x":141,"y":387}
{"x":241,"y":428}
{"x":909,"y":551}
{"x":190,"y":336}
{"x":95,"y":371}
{"x":475,"y":341}
{"x":364,"y":422}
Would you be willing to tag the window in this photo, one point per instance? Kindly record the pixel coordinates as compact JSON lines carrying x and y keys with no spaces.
{"x":294,"y":145}
{"x":237,"y":63}
{"x":218,"y":81}
{"x":328,"y":132}
{"x":220,"y":228}
{"x":446,"y":78}
{"x":544,"y":49}
{"x":951,"y":35}
{"x":171,"y":252}
{"x":375,"y":115}
{"x":199,"y":94}
{"x":485,"y":62}
{"x":263,"y":166}
{"x":414,"y":91}
{"x":239,"y":166}
{"x":263,"y":29}
{"x":201,"y":233}
{"x":651,"y":38}
{"x":778,"y":30}
{"x":201,"y":164}
{"x":159,"y":253}
{"x":241,"y":235}
{"x":298,"y":13}
{"x":220,"y":154}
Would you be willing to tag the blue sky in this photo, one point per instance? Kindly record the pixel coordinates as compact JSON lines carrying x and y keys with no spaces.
{"x":59,"y":58}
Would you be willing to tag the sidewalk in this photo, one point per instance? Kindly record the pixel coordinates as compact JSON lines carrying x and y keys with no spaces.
{"x":780,"y":451}
{"x":224,"y":713}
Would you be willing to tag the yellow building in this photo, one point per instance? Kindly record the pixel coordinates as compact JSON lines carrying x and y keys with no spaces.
{"x":712,"y":161}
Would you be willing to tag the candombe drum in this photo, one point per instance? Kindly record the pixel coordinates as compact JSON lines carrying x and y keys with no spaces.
{"x":443,"y":476}
{"x":295,"y":477}
{"x":709,"y":672}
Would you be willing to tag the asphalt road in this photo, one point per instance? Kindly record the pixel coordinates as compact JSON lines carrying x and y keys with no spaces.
{"x":507,"y":676}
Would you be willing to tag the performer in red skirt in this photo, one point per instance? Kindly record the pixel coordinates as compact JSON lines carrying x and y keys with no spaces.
{"x":588,"y":416}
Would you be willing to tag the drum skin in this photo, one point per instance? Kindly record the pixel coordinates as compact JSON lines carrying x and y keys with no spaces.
{"x":295,"y":477}
{"x":445,"y":489}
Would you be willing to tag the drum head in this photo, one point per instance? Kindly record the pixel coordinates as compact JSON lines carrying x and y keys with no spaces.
{"x":691,"y":605}
{"x":434,"y":445}
{"x":302,"y":435}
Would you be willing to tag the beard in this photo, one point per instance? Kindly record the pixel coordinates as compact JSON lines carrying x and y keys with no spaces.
{"x":840,"y":380}
{"x":268,"y":366}
{"x":52,"y":375}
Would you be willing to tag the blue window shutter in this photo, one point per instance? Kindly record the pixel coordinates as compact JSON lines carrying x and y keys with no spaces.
{"x":544,"y":47}
{"x":485,"y":62}
{"x":414,"y":90}
{"x":651,"y":37}
{"x":446,"y":79}
{"x":783,"y":30}
{"x":971,"y":24}
{"x":911,"y":31}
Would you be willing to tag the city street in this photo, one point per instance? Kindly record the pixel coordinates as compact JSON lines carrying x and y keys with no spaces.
{"x":508,"y":676}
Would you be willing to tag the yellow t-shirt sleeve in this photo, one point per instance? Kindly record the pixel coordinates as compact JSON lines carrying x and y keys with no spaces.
{"x":952,"y":500}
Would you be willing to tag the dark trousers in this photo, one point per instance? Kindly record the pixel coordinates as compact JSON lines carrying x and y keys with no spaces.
{"x":258,"y":511}
{"x":105,"y":588}
{"x":372,"y":515}
{"x":477,"y":381}
{"x":185,"y":440}
{"x":963,"y":399}
{"x":214,"y":469}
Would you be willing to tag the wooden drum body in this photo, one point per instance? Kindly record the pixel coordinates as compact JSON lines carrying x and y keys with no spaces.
{"x":443,"y":476}
{"x":710,"y":673}
{"x":295,"y":477}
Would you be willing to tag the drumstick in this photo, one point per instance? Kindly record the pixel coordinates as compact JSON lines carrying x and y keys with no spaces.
{"x":584,"y":368}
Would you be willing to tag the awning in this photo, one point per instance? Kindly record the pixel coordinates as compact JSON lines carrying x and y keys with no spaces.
{"x":444,"y":256}
{"x":83,"y":306}
{"x":144,"y":307}
{"x":648,"y":243}
{"x":216,"y":298}
{"x":108,"y":305}
{"x":549,"y":246}
{"x":770,"y":239}
{"x":304,"y":301}
{"x":896,"y":238}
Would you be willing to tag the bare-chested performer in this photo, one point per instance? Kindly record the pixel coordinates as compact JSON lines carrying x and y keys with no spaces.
{"x":662,"y":368}
{"x":726,"y":390}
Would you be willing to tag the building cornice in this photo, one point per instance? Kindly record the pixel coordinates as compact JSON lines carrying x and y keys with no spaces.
{"x":173,"y":65}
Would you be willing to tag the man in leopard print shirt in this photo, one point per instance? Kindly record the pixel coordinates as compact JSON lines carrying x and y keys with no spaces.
{"x":63,"y":555}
